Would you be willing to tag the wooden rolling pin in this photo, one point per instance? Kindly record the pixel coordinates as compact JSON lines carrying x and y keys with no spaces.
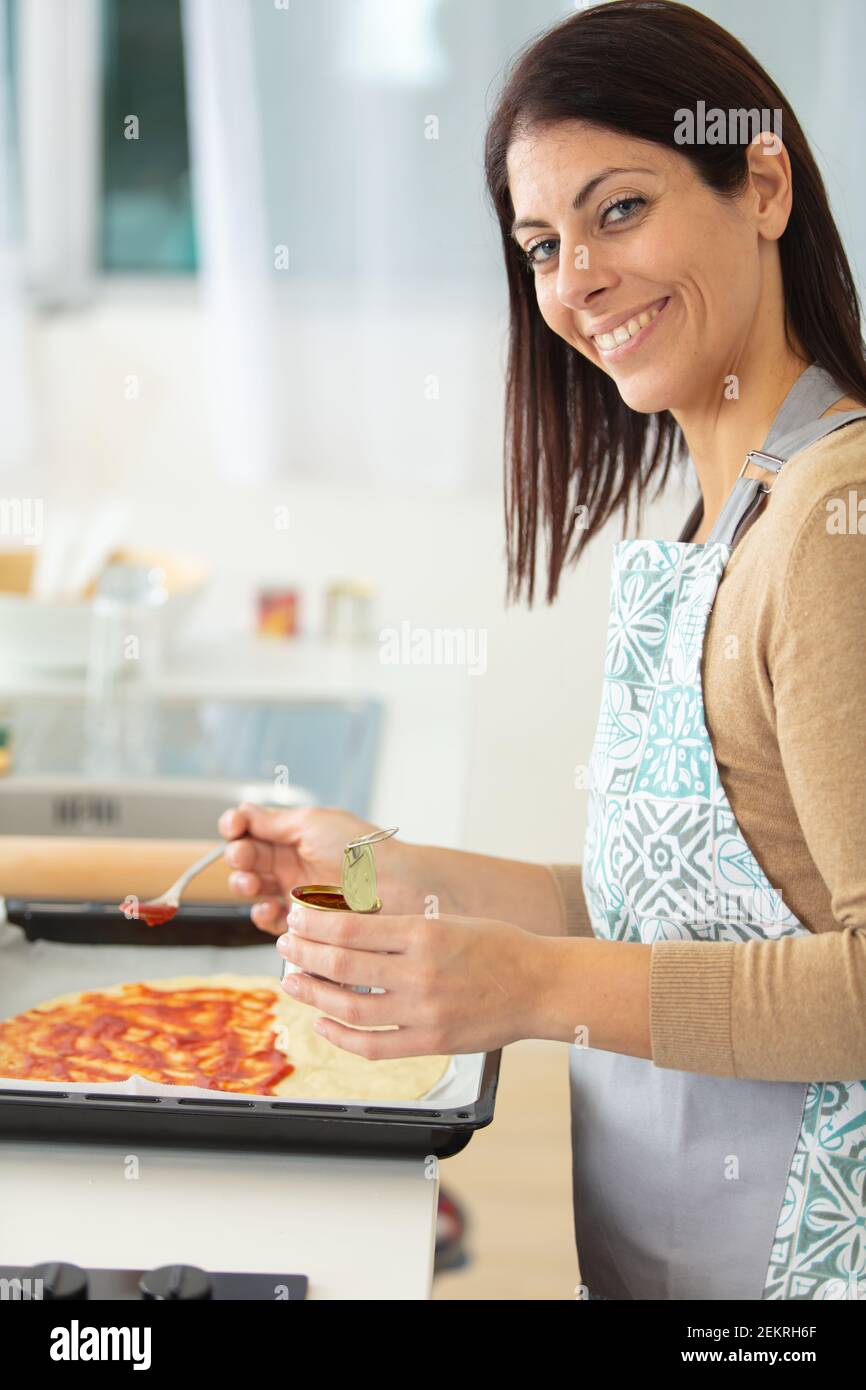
{"x":90,"y":869}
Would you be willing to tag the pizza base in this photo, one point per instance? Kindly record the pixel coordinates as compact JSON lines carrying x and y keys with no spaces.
{"x":323,"y":1071}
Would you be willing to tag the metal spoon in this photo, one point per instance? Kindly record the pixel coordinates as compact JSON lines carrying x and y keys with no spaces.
{"x":155,"y":911}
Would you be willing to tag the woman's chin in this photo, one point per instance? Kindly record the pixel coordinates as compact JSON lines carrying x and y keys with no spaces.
{"x":645,"y":395}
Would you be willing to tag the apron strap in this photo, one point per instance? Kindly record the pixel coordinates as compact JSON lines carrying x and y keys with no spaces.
{"x":795,"y":428}
{"x":797,"y":440}
{"x":813,"y":392}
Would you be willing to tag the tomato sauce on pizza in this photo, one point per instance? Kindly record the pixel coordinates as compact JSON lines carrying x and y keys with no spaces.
{"x":215,"y":1037}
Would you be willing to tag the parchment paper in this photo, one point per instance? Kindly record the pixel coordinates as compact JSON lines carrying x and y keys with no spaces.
{"x":32,"y":972}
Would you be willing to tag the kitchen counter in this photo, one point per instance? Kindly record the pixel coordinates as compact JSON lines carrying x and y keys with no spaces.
{"x":359,"y":1228}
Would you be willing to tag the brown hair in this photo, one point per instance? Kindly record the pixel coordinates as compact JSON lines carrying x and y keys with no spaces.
{"x":628,"y":66}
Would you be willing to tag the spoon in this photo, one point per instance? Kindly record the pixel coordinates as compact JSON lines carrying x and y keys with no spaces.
{"x":156,"y":911}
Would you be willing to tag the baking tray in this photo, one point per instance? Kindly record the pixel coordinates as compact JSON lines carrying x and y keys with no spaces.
{"x":51,"y":947}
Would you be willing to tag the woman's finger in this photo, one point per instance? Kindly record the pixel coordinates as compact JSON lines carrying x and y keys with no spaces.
{"x":370,"y":931}
{"x":255,"y":885}
{"x":232,"y":823}
{"x":357,"y":1010}
{"x":278,"y":827}
{"x":339,"y":963}
{"x":377,"y":1044}
{"x":269,"y":916}
{"x":251,"y":856}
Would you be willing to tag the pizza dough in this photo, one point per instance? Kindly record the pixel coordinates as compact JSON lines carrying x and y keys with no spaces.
{"x":322,"y":1071}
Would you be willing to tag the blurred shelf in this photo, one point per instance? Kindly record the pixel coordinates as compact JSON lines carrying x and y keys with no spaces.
{"x":242,"y":665}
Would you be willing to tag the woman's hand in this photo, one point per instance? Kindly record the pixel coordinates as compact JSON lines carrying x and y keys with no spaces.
{"x":272,"y":851}
{"x":453,"y":984}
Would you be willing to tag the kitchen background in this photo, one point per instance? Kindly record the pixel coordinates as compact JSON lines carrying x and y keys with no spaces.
{"x":253,"y":314}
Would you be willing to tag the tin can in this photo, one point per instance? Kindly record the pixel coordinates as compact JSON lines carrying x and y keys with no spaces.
{"x":325,"y":897}
{"x":356,"y":893}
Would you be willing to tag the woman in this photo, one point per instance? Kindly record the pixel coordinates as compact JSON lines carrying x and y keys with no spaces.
{"x":709,"y":959}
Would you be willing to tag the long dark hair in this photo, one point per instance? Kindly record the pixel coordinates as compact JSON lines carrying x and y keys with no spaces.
{"x":570,"y":439}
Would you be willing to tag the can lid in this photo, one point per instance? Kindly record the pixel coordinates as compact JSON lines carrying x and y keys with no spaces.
{"x":358,"y":876}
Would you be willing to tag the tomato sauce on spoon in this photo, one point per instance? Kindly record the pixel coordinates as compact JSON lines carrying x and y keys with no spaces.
{"x":151,"y":914}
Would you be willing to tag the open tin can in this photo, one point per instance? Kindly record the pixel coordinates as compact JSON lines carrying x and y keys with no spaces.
{"x":356,"y":892}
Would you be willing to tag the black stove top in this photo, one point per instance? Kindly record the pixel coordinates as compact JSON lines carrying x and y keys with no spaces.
{"x":169,"y":1283}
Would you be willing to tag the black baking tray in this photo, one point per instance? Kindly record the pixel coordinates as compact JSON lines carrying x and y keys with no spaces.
{"x":101,"y":923}
{"x":291,"y":1126}
{"x":221,"y":1122}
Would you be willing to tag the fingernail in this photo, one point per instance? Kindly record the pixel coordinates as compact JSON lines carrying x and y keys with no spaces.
{"x":291,"y":983}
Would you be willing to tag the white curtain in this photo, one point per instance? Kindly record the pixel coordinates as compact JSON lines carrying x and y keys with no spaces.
{"x":15,"y":436}
{"x":235,"y":253}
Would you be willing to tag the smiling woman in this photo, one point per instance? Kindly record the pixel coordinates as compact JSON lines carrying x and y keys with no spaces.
{"x":605,"y":214}
{"x":668,"y":293}
{"x":706,"y":960}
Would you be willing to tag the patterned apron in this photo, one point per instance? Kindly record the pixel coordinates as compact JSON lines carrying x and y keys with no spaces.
{"x":689,"y":1186}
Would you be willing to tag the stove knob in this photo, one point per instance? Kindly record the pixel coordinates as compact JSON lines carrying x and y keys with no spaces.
{"x":61,"y":1280}
{"x":175,"y":1281}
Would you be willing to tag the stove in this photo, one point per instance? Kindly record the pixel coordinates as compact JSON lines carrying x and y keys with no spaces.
{"x":169,"y":1283}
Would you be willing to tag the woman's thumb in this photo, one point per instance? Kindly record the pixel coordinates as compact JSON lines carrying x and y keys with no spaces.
{"x":271,"y":823}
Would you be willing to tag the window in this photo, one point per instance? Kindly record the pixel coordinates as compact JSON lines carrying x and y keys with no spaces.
{"x":146,"y":205}
{"x":100,"y":100}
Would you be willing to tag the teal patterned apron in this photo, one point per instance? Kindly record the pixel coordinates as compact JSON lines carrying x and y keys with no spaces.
{"x":689,"y":1186}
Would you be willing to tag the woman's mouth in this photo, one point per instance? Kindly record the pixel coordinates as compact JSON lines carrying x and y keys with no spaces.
{"x":627,"y":336}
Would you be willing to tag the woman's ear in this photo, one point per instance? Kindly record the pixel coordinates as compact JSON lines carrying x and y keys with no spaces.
{"x":770,"y":182}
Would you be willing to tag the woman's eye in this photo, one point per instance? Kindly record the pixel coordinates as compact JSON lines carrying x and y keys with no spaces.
{"x":533,"y":259}
{"x":628,"y":203}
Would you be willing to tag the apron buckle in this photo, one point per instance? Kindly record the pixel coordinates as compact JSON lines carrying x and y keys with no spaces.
{"x":769,"y":462}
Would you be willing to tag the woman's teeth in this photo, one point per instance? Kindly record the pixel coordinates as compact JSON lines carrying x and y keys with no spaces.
{"x":627,"y":330}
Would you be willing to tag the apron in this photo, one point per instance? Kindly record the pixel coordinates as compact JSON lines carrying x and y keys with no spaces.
{"x":689,"y":1186}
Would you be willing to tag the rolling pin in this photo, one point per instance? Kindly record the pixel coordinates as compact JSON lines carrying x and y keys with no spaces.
{"x":93,"y":869}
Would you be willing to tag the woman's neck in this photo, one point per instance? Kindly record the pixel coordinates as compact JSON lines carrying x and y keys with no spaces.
{"x":719,"y":434}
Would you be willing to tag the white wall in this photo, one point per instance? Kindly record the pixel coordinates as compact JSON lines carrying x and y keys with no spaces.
{"x":436,"y":557}
{"x":424,"y":519}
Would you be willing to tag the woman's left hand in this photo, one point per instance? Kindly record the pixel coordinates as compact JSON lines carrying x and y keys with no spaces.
{"x":453,"y":984}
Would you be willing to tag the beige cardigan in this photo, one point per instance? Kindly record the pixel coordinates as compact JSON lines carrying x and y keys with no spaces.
{"x":784,"y":677}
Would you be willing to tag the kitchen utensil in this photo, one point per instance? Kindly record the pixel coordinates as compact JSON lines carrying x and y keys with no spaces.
{"x":158,"y":910}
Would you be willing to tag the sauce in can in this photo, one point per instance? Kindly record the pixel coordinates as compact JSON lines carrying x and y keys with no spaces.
{"x":357,"y":891}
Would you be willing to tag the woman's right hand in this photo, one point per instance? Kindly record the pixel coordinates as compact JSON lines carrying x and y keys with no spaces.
{"x":271,"y":851}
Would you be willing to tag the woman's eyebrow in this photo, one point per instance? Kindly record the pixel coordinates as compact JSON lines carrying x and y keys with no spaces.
{"x":581,"y":197}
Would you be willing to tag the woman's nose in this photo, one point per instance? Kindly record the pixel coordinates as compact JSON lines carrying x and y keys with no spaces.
{"x":578,"y":281}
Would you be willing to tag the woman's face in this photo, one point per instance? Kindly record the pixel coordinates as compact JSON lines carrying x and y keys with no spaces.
{"x":650,"y":252}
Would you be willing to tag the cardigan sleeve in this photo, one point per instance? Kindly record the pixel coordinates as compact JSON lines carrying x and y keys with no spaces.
{"x":569,"y":882}
{"x":794,"y":1009}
